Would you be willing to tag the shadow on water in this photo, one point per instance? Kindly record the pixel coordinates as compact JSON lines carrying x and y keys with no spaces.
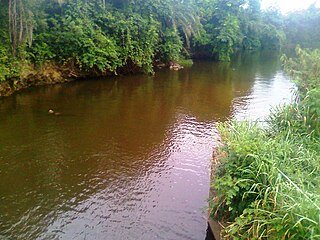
{"x":128,"y":158}
{"x":209,"y":235}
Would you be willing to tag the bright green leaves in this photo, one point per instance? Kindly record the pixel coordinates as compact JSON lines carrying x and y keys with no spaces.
{"x":79,"y":38}
{"x":41,"y":50}
{"x":221,"y":29}
{"x":137,"y":38}
{"x":110,"y":36}
{"x":170,"y":46}
{"x":226,"y":37}
{"x":4,"y":63}
{"x":102,"y":37}
{"x":234,"y":24}
{"x":10,"y":67}
{"x":305,"y":71}
{"x":178,"y":22}
{"x":267,"y":183}
{"x":226,"y":33}
{"x":100,"y":52}
{"x":240,"y":168}
{"x":96,"y":39}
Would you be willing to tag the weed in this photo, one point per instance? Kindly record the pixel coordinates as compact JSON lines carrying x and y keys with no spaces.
{"x":267,"y":182}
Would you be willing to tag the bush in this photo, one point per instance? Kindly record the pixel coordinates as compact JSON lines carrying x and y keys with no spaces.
{"x":170,"y":46}
{"x":267,"y":183}
{"x":9,"y":67}
{"x":4,"y":66}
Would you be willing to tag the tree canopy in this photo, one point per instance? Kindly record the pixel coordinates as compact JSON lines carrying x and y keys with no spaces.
{"x":102,"y":36}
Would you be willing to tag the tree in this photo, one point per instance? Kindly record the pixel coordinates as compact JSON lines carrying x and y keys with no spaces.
{"x":222,"y":29}
{"x":302,"y":27}
{"x":20,"y":23}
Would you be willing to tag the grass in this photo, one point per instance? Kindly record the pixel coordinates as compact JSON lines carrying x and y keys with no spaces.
{"x":267,"y":185}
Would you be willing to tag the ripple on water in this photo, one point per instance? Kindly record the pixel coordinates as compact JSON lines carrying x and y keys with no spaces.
{"x":128,"y":159}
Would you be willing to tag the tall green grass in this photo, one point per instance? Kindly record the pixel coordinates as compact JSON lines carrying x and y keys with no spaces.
{"x":267,"y":185}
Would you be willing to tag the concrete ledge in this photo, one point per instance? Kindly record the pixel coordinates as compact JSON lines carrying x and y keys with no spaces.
{"x":216,"y":229}
{"x":216,"y":226}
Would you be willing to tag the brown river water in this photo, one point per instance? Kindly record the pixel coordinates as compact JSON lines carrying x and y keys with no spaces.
{"x":128,"y":157}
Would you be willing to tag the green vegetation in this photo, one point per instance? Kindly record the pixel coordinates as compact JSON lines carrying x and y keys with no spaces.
{"x":302,"y":27}
{"x":99,"y":37}
{"x":267,"y":183}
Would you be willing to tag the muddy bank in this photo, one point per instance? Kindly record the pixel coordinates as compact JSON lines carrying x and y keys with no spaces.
{"x":217,"y":227}
{"x":52,"y":73}
{"x":31,"y":76}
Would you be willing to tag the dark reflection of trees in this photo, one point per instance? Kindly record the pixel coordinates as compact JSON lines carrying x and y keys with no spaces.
{"x":107,"y":128}
{"x":249,"y":67}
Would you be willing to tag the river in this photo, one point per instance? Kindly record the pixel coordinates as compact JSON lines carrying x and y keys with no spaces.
{"x":127,"y":157}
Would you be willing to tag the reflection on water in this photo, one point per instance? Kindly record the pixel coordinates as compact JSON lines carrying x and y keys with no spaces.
{"x":265,"y":94}
{"x":129,"y":157}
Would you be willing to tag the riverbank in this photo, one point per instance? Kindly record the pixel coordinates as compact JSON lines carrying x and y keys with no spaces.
{"x":266,"y":183}
{"x":158,"y":141}
{"x":217,"y":227}
{"x":51,"y":73}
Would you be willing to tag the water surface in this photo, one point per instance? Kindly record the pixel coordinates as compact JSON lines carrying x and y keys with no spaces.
{"x":129,"y":157}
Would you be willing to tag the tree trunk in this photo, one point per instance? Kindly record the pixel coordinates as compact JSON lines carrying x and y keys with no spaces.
{"x":13,"y":25}
{"x":20,"y":24}
{"x":22,"y":17}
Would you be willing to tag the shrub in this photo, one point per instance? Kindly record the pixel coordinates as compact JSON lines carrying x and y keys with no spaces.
{"x":267,"y":183}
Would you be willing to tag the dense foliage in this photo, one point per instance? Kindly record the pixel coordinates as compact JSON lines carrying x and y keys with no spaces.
{"x":302,"y":27}
{"x":270,"y":174}
{"x":101,"y":36}
{"x":238,"y":25}
{"x":267,"y":184}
